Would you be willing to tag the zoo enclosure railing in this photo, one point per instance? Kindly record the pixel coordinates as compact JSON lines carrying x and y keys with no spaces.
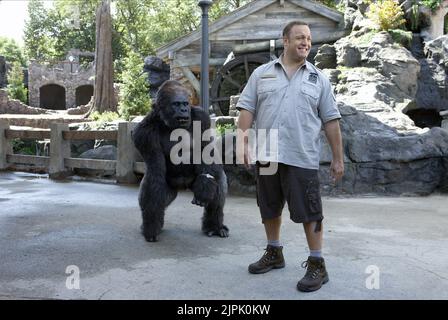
{"x":60,"y":163}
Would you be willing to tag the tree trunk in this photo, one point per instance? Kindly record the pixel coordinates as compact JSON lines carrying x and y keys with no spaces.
{"x":103,"y":97}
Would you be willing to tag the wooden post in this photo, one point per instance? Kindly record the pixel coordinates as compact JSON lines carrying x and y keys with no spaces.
{"x":59,"y":150}
{"x":126,"y":153}
{"x":5,"y":145}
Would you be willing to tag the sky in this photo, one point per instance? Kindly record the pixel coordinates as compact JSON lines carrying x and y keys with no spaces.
{"x":12,"y":18}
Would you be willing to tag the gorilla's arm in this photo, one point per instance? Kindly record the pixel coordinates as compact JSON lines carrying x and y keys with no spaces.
{"x":205,"y":186}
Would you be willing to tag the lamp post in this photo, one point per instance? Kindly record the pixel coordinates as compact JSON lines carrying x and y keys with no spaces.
{"x":205,"y":99}
{"x":71,"y":59}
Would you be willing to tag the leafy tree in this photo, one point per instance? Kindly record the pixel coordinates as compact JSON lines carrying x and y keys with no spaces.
{"x":39,"y":44}
{"x":134,"y":92}
{"x":16,"y":89}
{"x":12,"y":51}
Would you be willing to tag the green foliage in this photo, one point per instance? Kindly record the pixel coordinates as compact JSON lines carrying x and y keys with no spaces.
{"x":139,"y":26}
{"x":386,"y":14}
{"x":330,"y":3}
{"x":445,"y":25}
{"x":12,"y":51}
{"x":102,"y":118}
{"x":432,"y":4}
{"x":402,"y":37}
{"x":16,"y":89}
{"x":365,"y":39}
{"x":38,"y":40}
{"x":25,"y":147}
{"x":415,"y":16}
{"x":221,"y":128}
{"x":134,"y":92}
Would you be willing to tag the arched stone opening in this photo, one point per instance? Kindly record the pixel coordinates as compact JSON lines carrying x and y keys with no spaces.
{"x":83,"y":94}
{"x":52,"y":96}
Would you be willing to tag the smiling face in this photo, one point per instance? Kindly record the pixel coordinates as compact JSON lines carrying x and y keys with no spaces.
{"x":298,"y":43}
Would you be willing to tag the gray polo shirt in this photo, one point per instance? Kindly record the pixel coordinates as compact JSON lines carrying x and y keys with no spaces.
{"x":294,"y":108}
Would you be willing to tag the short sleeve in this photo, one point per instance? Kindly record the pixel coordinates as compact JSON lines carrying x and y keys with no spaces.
{"x":248,"y":98}
{"x":328,"y":109}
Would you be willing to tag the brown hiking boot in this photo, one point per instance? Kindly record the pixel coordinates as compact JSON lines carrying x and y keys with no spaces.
{"x":316,"y":275}
{"x":271,"y":259}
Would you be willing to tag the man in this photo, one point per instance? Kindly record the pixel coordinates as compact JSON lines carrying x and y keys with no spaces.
{"x":295,"y":98}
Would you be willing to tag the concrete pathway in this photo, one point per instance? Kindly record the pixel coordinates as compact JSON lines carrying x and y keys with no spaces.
{"x":397,"y":245}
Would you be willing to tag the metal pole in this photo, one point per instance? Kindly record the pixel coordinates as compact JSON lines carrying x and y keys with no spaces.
{"x":205,"y":99}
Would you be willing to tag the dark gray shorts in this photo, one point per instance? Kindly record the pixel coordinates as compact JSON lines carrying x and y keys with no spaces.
{"x":298,"y":187}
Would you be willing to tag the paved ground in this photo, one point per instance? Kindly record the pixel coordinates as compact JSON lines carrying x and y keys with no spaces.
{"x":46,"y":226}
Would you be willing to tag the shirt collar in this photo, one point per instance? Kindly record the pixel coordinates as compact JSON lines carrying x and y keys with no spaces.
{"x":279,"y":61}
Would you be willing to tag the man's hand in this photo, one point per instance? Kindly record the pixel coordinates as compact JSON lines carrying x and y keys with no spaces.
{"x":336,"y":170}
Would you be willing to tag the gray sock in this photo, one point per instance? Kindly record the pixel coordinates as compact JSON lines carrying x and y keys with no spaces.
{"x":274,"y":243}
{"x":316,"y":253}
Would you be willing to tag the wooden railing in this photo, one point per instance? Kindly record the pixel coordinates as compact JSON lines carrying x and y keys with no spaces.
{"x":60,"y":164}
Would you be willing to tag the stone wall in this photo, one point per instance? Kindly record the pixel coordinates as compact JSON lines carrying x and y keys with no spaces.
{"x":68,"y":75}
{"x":13,"y":106}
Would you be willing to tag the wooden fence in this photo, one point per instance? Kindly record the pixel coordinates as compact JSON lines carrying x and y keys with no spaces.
{"x":60,"y":163}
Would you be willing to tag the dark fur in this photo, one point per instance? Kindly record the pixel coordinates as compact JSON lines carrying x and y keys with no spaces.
{"x":163,"y":179}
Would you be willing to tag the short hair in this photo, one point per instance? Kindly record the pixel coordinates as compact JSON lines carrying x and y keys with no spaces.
{"x":290,"y":25}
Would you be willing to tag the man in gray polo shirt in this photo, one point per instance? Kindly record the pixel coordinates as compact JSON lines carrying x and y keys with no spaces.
{"x":291,"y":99}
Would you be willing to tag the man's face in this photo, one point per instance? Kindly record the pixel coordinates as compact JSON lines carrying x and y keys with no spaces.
{"x":298,"y":43}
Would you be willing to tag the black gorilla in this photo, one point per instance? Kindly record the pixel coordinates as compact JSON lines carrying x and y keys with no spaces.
{"x":163,"y":178}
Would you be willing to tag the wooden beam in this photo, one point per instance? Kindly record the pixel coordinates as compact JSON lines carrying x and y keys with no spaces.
{"x":90,"y":164}
{"x":29,"y":160}
{"x":192,"y":79}
{"x":90,"y":135}
{"x":28,"y":134}
{"x":195,"y":60}
{"x":264,"y":46}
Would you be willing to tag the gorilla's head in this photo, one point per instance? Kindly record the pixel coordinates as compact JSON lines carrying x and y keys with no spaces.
{"x":173,"y":105}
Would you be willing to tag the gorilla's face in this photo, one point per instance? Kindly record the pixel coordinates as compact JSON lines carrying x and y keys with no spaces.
{"x":177,"y":112}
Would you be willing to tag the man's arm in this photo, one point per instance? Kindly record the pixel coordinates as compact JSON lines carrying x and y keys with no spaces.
{"x":244,"y":123}
{"x":334,"y":138}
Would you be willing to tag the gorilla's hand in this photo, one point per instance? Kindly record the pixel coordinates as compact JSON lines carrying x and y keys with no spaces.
{"x":204,"y":189}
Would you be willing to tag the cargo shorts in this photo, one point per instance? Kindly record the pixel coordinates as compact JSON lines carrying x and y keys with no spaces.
{"x":298,"y":187}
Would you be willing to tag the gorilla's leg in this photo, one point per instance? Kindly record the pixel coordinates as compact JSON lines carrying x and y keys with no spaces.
{"x":213,"y":219}
{"x":153,"y":205}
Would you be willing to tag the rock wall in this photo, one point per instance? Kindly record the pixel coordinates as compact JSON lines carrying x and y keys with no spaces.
{"x":13,"y":106}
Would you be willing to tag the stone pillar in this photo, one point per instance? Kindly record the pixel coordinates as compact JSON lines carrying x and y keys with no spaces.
{"x":59,"y":150}
{"x":126,"y":153}
{"x":5,"y":145}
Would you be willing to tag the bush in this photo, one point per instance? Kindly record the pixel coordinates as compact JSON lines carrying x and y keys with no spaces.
{"x":432,"y":4}
{"x":134,"y":92}
{"x":16,"y":89}
{"x":221,"y":128}
{"x":386,"y":14}
{"x":402,"y":37}
{"x":107,"y":116}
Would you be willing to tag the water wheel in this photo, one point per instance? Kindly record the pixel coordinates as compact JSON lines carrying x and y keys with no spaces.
{"x":231,"y":79}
